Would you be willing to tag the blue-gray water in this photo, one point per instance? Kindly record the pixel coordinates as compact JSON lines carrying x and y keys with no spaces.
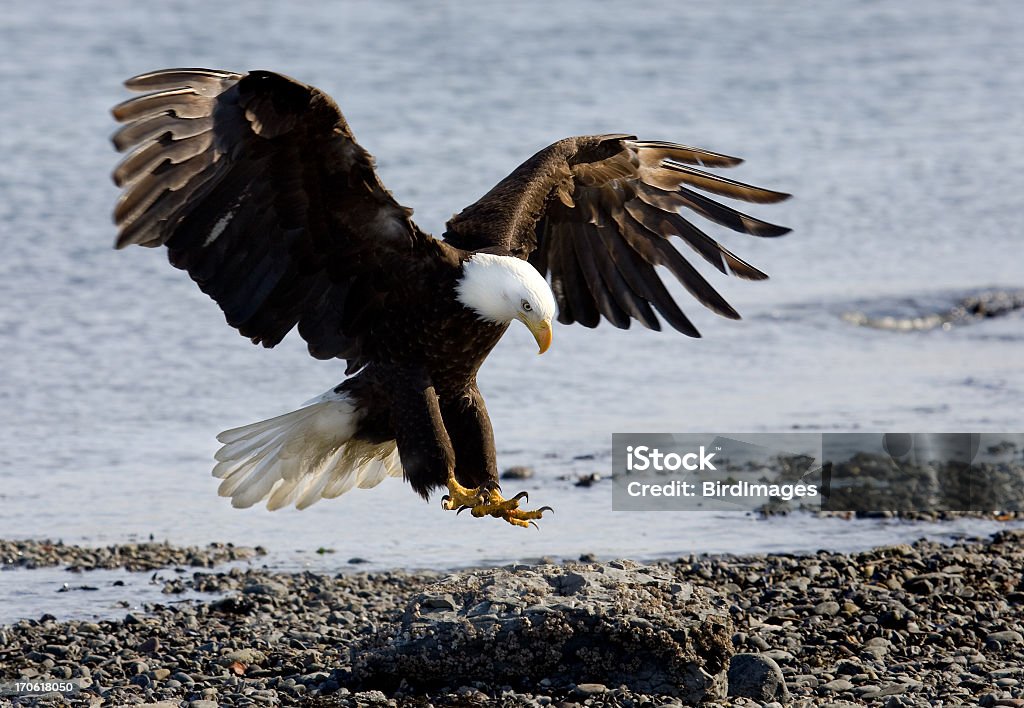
{"x":897,"y":127}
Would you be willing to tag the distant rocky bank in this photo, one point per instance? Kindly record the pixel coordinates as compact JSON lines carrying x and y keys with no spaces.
{"x":975,"y":307}
{"x":130,"y":556}
{"x":897,"y":626}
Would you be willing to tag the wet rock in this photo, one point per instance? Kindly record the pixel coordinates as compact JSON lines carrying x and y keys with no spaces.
{"x":519,"y":472}
{"x":1005,"y":637}
{"x":756,"y":676}
{"x":975,"y":307}
{"x":615,"y":624}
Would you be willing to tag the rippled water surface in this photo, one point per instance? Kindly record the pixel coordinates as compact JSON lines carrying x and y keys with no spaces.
{"x":897,"y":127}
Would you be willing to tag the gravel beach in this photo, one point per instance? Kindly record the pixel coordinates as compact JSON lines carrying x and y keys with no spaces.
{"x":926,"y":624}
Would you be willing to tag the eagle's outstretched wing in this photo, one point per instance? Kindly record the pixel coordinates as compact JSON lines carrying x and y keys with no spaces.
{"x":598,"y":213}
{"x":258,"y":189}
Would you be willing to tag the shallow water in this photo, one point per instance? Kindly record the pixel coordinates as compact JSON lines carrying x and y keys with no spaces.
{"x":95,"y":594}
{"x":895,"y":125}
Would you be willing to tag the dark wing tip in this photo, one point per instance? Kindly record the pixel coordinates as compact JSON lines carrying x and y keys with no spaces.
{"x":766,"y":230}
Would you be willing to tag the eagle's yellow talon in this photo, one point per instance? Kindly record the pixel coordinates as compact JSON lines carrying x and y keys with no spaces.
{"x":487,"y":501}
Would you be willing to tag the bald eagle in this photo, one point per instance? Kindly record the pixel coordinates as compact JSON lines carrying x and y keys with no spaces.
{"x":257,"y":187}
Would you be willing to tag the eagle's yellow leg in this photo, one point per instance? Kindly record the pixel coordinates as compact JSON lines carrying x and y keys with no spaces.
{"x":487,"y":501}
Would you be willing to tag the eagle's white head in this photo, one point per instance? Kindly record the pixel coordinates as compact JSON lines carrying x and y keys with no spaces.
{"x":502,"y":288}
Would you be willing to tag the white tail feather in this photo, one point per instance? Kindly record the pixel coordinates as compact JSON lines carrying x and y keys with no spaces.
{"x":302,"y":456}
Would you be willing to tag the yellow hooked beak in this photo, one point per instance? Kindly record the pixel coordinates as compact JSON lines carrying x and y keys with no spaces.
{"x":542,"y":333}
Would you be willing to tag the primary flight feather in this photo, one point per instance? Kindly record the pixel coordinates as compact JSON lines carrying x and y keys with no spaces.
{"x":257,"y":188}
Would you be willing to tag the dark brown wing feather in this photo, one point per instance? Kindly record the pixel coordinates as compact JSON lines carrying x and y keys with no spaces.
{"x":598,"y":213}
{"x":258,"y":189}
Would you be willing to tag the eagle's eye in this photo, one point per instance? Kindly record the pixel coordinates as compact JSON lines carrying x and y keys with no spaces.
{"x":526,"y":306}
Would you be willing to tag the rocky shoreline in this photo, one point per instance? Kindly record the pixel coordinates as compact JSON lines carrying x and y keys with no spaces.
{"x":919,"y":625}
{"x":131,"y":556}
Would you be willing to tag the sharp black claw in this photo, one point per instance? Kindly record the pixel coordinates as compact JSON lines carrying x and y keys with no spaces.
{"x":444,"y":501}
{"x":462,"y":509}
{"x":521,"y":495}
{"x":546,"y":508}
{"x":534,"y":525}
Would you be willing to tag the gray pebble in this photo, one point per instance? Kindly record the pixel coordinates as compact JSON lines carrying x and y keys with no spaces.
{"x":838,"y":686}
{"x":828,"y":608}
